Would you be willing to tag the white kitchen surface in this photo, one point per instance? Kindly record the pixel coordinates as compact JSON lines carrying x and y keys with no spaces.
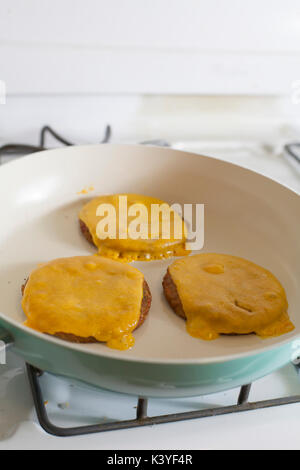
{"x":69,"y":404}
{"x":157,"y":46}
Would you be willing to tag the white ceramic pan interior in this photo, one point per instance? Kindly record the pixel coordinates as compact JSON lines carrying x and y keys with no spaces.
{"x":246,"y":215}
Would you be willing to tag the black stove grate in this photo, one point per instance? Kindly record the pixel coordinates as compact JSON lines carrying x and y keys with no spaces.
{"x":142,"y":419}
{"x":24,"y":149}
{"x":13,"y":150}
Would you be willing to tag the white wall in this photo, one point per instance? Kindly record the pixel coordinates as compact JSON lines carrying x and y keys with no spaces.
{"x":149,"y":46}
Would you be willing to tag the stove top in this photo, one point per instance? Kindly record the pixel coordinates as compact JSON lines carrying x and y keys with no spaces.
{"x":70,"y":404}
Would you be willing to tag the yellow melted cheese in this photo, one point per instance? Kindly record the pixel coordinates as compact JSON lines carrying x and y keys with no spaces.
{"x":123,"y":246}
{"x":86,"y":296}
{"x":226,"y":294}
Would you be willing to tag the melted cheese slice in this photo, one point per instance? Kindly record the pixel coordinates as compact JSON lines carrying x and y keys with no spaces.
{"x":150,"y":240}
{"x":226,"y":294}
{"x":86,"y":296}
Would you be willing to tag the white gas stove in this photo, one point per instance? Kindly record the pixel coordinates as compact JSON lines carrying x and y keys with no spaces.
{"x":71,"y":404}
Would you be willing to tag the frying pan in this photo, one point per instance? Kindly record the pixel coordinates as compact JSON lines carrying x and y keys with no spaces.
{"x":246,"y":214}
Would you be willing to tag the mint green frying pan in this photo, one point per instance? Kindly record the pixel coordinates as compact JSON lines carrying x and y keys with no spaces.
{"x":246,"y":215}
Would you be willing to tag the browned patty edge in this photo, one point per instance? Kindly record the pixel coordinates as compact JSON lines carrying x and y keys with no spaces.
{"x":172,"y":296}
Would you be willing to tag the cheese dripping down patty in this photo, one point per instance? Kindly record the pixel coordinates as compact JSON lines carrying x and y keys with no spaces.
{"x":223,"y":294}
{"x":137,"y":233}
{"x":85,"y":296}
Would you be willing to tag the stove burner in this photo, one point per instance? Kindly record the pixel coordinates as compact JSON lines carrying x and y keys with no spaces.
{"x":142,"y":419}
{"x":24,"y":149}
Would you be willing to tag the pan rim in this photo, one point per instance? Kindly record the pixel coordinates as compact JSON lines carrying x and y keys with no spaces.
{"x":117,"y":356}
{"x":69,"y":149}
